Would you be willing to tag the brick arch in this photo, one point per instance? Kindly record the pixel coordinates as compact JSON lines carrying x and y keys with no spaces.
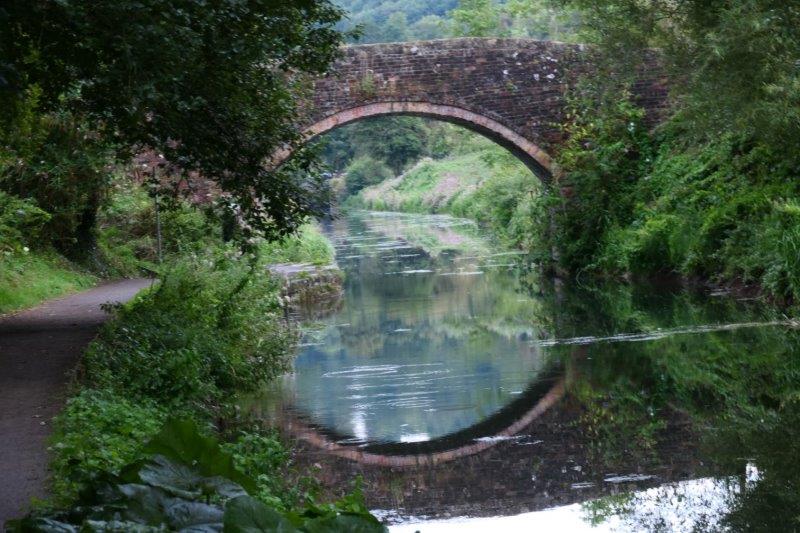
{"x":513,"y":91}
{"x":529,"y":153}
{"x":508,"y":423}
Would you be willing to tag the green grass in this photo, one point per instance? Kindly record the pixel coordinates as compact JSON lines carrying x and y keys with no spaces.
{"x":309,"y":246}
{"x":27,"y":279}
{"x":430,"y":186}
{"x":488,"y":185}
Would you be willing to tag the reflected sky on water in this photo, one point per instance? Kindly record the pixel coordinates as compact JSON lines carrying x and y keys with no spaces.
{"x":677,"y":409}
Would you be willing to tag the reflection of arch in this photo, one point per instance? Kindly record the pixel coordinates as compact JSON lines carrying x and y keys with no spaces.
{"x":529,"y":153}
{"x":507,"y":422}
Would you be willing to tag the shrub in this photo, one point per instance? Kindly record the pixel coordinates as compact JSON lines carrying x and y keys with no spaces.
{"x":98,"y":432}
{"x":21,"y":223}
{"x":363,"y":172}
{"x":211,"y":327}
{"x":186,"y":481}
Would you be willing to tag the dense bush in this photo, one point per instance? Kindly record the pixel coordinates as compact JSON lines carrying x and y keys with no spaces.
{"x":725,"y":210}
{"x":209,"y":329}
{"x":59,"y":164}
{"x":21,"y":223}
{"x":363,"y":172}
{"x":98,"y":432}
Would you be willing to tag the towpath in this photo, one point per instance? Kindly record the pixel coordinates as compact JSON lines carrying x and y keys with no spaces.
{"x":38,"y":348}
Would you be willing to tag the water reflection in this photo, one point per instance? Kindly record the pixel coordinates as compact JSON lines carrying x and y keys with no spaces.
{"x":421,"y":349}
{"x":677,"y":409}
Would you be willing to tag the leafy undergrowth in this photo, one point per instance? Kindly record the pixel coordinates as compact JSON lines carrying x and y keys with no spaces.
{"x":187,"y":481}
{"x":309,"y":246}
{"x":127,"y":234}
{"x":487,"y":184}
{"x":30,"y":272}
{"x":28,"y":278}
{"x":212,"y":329}
{"x":725,"y":211}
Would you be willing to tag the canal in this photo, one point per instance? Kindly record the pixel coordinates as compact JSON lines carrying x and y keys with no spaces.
{"x":467,"y":392}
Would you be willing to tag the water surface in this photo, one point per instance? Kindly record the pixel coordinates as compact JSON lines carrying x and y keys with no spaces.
{"x":463,"y":387}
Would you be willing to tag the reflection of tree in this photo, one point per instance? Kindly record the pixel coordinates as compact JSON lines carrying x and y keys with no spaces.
{"x":629,"y":405}
{"x":737,"y":389}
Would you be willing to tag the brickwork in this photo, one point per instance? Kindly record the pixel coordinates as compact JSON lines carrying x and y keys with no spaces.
{"x":511,"y":90}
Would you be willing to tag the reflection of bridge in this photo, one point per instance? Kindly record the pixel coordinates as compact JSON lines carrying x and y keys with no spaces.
{"x":504,"y":424}
{"x":510,"y":90}
{"x":547,"y":463}
{"x":537,"y":455}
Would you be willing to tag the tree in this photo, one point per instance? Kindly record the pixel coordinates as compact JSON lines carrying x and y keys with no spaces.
{"x":213,"y":86}
{"x":397,"y":141}
{"x":396,"y":28}
{"x":363,"y":172}
{"x":476,"y":18}
{"x":737,"y":60}
{"x":428,"y":27}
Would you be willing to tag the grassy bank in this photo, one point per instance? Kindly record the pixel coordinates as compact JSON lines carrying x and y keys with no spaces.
{"x":481,"y":181}
{"x":28,"y":278}
{"x":642,"y":203}
{"x":30,"y":269}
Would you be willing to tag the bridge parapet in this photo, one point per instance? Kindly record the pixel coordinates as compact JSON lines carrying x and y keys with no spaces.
{"x":511,"y":90}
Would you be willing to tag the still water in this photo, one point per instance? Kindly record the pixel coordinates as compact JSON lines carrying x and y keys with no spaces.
{"x":469,"y":393}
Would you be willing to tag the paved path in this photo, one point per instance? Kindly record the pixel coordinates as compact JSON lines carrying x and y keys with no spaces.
{"x":38,"y":347}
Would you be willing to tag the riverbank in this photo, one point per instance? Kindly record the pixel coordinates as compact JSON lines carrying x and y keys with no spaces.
{"x":211,"y":330}
{"x":29,"y":278}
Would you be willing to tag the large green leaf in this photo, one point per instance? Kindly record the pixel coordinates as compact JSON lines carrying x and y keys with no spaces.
{"x":196,"y":516}
{"x":175,"y":478}
{"x":182,"y":441}
{"x":39,"y":525}
{"x":248,"y":515}
{"x":117,"y":526}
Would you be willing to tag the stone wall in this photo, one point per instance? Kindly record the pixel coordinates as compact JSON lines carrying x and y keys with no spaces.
{"x":511,"y":90}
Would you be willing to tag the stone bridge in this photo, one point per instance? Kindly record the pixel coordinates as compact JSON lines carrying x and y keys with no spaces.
{"x":510,"y":90}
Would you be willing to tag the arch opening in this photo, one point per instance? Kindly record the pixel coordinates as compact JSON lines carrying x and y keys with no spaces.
{"x":531,"y":155}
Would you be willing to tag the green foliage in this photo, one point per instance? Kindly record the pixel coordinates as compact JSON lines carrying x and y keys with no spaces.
{"x":481,"y":181}
{"x":309,"y":246}
{"x":363,"y":172}
{"x":724,"y":211}
{"x":397,"y":20}
{"x":27,"y":278}
{"x":127,"y":230}
{"x":264,"y":458}
{"x":185,"y":480}
{"x":507,"y":201}
{"x":210,"y":328}
{"x":59,"y":164}
{"x":98,"y":432}
{"x":538,"y":19}
{"x":215,"y":88}
{"x":736,"y":60}
{"x":605,"y":155}
{"x":476,"y":18}
{"x":21,"y":223}
{"x":392,"y":21}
